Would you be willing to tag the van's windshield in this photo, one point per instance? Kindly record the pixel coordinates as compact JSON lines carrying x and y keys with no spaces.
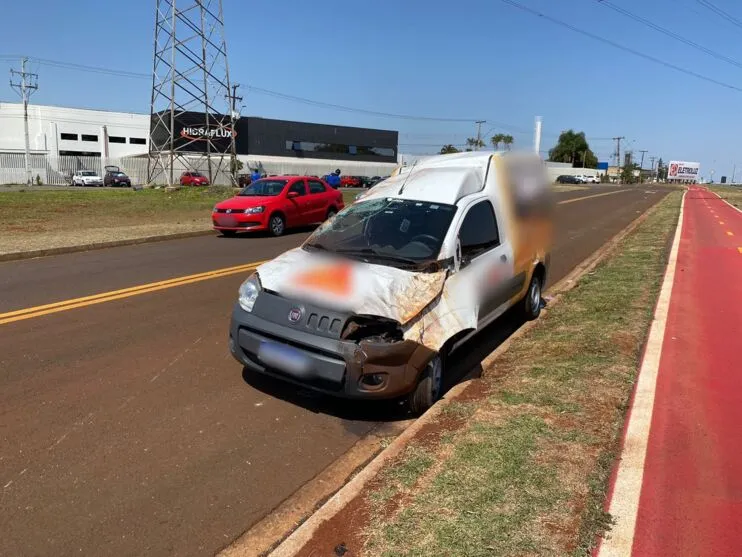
{"x":388,"y":231}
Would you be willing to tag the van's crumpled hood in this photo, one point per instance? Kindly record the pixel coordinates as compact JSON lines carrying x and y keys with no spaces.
{"x":421,"y":302}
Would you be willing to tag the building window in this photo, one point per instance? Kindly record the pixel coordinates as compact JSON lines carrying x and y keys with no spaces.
{"x":137,"y":141}
{"x":339,"y":148}
{"x":114,"y":139}
{"x":68,"y":136}
{"x":79,"y":154}
{"x":86,"y":137}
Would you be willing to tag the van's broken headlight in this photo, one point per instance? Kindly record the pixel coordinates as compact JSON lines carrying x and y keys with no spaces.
{"x":249,"y":291}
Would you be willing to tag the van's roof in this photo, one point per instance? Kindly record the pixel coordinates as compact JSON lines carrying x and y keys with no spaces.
{"x":439,"y":179}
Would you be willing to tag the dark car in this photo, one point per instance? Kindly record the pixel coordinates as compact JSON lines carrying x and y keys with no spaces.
{"x":567,"y":179}
{"x":114,"y":177}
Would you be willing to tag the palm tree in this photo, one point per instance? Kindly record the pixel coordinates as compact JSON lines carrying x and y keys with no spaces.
{"x":496,"y":140}
{"x":446,"y":149}
{"x":507,"y":140}
{"x":474,"y":143}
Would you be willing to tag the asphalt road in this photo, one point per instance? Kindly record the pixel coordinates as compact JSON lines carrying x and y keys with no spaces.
{"x":127,"y":428}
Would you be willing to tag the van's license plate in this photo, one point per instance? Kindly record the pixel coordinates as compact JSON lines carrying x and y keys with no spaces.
{"x":284,"y":358}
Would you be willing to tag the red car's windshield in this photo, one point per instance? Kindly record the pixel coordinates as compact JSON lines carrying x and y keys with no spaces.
{"x":264,"y":187}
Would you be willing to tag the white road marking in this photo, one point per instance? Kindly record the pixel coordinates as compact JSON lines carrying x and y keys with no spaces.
{"x":624,"y":505}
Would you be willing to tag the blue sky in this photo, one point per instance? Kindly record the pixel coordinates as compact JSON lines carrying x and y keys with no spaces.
{"x":476,"y":59}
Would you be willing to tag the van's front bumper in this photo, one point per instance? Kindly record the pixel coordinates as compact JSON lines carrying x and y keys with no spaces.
{"x":370,"y":370}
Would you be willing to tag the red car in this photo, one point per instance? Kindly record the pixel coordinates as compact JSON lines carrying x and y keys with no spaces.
{"x":350,"y":182}
{"x":193,"y":179}
{"x":277,"y":203}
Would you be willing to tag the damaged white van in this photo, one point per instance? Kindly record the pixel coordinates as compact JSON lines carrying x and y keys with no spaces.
{"x":374,"y":302}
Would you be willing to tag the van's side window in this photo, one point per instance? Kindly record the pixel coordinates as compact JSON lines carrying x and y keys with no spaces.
{"x":478,"y":232}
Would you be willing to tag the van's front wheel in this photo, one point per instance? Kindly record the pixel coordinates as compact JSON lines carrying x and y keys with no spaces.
{"x":429,"y":388}
{"x":532,"y":301}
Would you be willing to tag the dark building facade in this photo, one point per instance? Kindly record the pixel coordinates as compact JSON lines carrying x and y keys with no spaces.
{"x":281,"y":138}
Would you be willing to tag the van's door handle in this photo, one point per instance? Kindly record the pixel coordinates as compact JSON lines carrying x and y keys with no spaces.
{"x":503,"y":257}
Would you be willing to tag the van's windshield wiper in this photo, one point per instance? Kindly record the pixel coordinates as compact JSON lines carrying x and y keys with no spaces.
{"x":317,"y":246}
{"x":373,"y":254}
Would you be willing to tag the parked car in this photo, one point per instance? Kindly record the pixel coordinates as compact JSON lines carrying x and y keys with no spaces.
{"x":568,"y":179}
{"x":372,"y":305}
{"x":115,"y":178}
{"x":193,"y":179}
{"x":86,"y":178}
{"x":350,"y":182}
{"x":592,"y":179}
{"x":277,"y":203}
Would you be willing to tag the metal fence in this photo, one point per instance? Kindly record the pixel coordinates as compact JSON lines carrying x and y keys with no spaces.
{"x":58,"y":171}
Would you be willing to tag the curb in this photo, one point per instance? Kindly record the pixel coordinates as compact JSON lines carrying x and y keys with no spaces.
{"x":304,"y":533}
{"x":15,"y":256}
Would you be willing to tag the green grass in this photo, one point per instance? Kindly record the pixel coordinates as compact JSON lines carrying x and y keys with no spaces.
{"x":527,"y":473}
{"x":32,"y":211}
{"x":733,"y":194}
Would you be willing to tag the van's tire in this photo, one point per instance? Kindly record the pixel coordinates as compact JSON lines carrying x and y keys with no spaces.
{"x":277,"y":225}
{"x":531,"y":304}
{"x":429,"y":388}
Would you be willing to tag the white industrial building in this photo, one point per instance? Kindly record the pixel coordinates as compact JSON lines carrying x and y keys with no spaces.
{"x":60,"y":131}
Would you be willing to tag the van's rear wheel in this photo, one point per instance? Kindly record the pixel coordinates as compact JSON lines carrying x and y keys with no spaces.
{"x":532,"y":301}
{"x":429,"y":388}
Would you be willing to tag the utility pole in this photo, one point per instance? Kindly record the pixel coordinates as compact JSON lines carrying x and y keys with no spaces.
{"x":618,"y":156}
{"x":233,"y":98}
{"x":537,"y":136}
{"x":479,"y":133}
{"x":26,"y":86}
{"x":641,"y":165}
{"x":734,"y":172}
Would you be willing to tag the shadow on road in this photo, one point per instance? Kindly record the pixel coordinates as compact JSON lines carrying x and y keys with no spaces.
{"x":464,"y":364}
{"x":265,"y":234}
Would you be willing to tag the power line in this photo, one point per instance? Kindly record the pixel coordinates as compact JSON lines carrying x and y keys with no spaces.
{"x":721,"y":13}
{"x":620,"y":46}
{"x":668,"y":32}
{"x":351,"y":109}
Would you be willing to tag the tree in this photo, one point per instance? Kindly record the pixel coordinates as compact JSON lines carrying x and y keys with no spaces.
{"x":507,"y":140}
{"x":627,"y":174}
{"x":474,"y":143}
{"x":235,"y":165}
{"x":446,"y":149}
{"x":661,"y":170}
{"x":572,"y":147}
{"x":496,"y":140}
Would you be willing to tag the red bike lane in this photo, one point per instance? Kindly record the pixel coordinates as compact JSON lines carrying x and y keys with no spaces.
{"x":690,"y":501}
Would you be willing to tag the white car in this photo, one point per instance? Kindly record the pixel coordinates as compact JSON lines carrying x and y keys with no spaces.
{"x":591,"y":179}
{"x":86,"y":178}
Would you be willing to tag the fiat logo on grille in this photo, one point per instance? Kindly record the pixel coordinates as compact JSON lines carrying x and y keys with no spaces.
{"x":229,"y":211}
{"x":295,"y":315}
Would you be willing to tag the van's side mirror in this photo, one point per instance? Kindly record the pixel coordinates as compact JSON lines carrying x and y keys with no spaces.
{"x":292,"y":194}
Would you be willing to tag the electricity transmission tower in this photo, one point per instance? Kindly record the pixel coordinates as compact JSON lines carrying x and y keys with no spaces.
{"x":26,"y":86}
{"x":191,"y":115}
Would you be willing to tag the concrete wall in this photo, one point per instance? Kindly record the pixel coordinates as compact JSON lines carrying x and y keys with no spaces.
{"x":556,"y":169}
